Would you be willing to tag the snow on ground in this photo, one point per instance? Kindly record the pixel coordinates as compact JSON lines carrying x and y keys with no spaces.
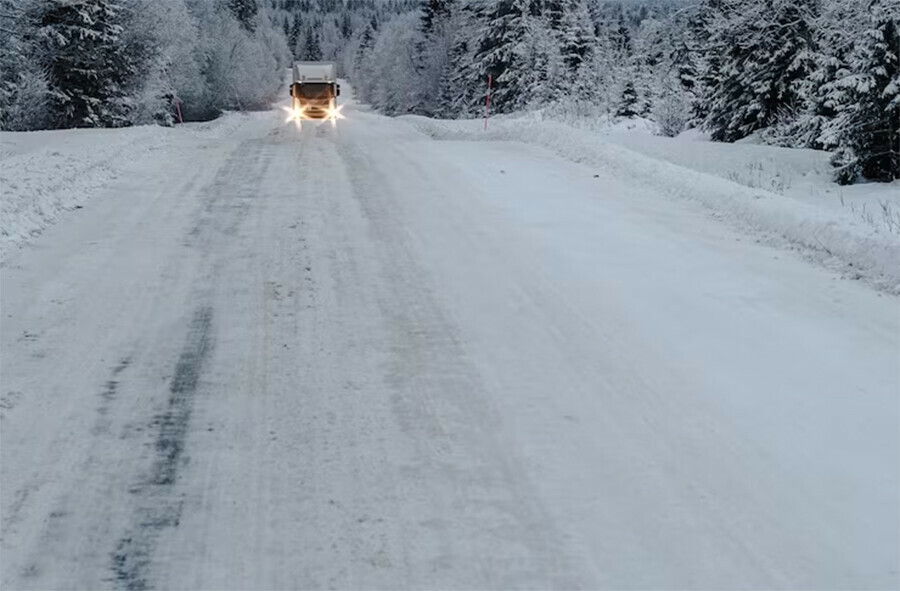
{"x":264,"y":358}
{"x":44,"y":174}
{"x":782,"y":196}
{"x":804,"y":175}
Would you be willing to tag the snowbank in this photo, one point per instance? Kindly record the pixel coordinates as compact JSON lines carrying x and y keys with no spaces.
{"x":44,"y":173}
{"x":833,"y":235}
{"x":805,"y":175}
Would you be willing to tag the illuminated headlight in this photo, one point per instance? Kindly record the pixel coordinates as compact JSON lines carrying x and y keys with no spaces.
{"x":294,"y":113}
{"x":334,"y":112}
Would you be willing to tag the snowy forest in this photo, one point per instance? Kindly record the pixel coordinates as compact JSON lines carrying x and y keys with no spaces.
{"x":821,"y":74}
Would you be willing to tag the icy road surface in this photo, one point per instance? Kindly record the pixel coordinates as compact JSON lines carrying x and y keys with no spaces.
{"x":368,"y":359}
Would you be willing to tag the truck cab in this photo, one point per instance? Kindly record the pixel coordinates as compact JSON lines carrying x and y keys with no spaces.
{"x":315,"y":90}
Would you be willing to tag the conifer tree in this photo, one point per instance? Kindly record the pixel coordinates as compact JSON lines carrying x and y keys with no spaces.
{"x":866,"y":97}
{"x":765,"y":54}
{"x":433,"y":13}
{"x":500,"y":50}
{"x":628,"y":101}
{"x":576,"y":34}
{"x":245,"y":12}
{"x":24,"y":92}
{"x":80,"y":42}
{"x":295,"y":36}
{"x":312,"y":50}
{"x":463,"y":85}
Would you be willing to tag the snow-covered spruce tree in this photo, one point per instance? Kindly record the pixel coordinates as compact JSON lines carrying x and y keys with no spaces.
{"x":366,"y":42}
{"x":462,"y":89}
{"x":664,"y":71}
{"x":685,"y":57}
{"x":245,"y":12}
{"x":295,"y":35}
{"x":433,"y":54}
{"x":552,"y":12}
{"x":839,"y":26}
{"x":627,"y":106}
{"x":143,"y":45}
{"x":835,"y":30}
{"x":24,"y":84}
{"x":765,"y":51}
{"x":346,"y":25}
{"x":552,"y":85}
{"x":647,"y":66}
{"x":79,"y":45}
{"x":434,"y":14}
{"x":866,"y":98}
{"x":500,"y":53}
{"x":576,"y":35}
{"x":609,"y":65}
{"x":312,"y":50}
{"x":707,"y":56}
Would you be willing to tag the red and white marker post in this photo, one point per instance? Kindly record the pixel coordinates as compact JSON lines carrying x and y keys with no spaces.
{"x":178,"y":110}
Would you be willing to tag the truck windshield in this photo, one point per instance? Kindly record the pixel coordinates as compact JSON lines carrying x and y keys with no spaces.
{"x":315,"y":90}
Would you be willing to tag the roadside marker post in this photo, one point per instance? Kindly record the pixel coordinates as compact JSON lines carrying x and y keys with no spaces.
{"x":487,"y":101}
{"x":178,"y":110}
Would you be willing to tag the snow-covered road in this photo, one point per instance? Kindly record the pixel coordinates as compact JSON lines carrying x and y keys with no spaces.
{"x":363,"y":358}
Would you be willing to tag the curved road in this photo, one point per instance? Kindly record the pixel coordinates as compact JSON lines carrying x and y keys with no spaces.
{"x":362,"y":358}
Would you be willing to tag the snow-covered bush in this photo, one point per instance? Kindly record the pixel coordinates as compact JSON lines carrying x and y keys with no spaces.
{"x":671,"y":111}
{"x":28,"y":104}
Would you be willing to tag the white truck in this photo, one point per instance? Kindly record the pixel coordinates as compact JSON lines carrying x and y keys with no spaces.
{"x":315,"y":90}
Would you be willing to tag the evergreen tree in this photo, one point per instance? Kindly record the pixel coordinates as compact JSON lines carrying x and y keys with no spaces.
{"x":312,"y":50}
{"x":766,"y":48}
{"x":366,"y":42}
{"x":549,"y":79}
{"x":620,"y":37}
{"x":295,"y":35}
{"x":866,"y":97}
{"x":432,"y":55}
{"x":576,"y":34}
{"x":500,"y":51}
{"x":838,"y":28}
{"x":433,"y":13}
{"x":462,"y":87}
{"x":245,"y":12}
{"x":552,"y":11}
{"x":80,"y":42}
{"x":628,"y":101}
{"x":346,"y":25}
{"x":24,"y":92}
